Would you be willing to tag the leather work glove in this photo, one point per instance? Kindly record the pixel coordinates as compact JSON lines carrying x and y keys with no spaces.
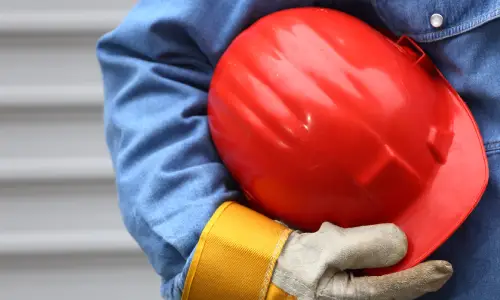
{"x":313,"y":265}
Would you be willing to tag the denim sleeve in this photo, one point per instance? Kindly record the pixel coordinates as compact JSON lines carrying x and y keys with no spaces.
{"x":157,"y":66}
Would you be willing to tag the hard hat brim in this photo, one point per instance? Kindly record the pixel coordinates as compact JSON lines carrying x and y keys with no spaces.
{"x":451,"y":197}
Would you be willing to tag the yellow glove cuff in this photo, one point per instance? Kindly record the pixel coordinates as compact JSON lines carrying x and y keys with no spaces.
{"x":235,"y":257}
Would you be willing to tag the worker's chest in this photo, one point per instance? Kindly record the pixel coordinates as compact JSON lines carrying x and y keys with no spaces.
{"x":463,"y":39}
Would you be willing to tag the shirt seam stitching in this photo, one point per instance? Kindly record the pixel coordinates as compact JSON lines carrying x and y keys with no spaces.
{"x":492,"y":146}
{"x":458,"y":29}
{"x":429,"y":36}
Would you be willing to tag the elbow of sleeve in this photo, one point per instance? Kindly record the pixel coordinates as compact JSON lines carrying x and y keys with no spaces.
{"x":235,"y":256}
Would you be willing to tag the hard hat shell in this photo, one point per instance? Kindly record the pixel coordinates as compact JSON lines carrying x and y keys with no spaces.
{"x":319,"y":117}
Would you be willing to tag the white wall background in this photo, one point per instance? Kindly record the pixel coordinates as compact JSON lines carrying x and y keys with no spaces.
{"x":61,"y":235}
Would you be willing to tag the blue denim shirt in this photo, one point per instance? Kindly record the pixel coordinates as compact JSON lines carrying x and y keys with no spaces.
{"x":157,"y":66}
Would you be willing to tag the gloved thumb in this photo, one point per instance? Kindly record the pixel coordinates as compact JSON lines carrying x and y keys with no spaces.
{"x":405,"y":285}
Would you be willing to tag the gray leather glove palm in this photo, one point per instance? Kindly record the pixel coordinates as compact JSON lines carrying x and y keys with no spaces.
{"x":312,"y":265}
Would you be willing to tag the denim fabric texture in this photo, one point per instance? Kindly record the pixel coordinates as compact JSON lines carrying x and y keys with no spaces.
{"x":157,"y":65}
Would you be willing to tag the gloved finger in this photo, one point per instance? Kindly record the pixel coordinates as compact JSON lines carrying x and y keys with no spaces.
{"x":363,"y":247}
{"x":405,"y":285}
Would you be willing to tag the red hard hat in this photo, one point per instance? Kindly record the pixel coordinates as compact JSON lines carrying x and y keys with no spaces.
{"x":319,"y":117}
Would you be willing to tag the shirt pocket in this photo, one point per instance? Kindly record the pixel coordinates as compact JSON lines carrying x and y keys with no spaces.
{"x":433,"y":20}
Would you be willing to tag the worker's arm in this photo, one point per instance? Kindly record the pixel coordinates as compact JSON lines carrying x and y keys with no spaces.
{"x":157,"y":67}
{"x":176,"y":197}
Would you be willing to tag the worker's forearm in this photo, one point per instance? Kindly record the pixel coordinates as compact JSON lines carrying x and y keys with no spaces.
{"x":157,"y":67}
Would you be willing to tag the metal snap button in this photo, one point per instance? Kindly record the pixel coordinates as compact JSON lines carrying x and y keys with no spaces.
{"x":437,"y":20}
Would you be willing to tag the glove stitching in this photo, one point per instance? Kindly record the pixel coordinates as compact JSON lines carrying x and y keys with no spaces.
{"x":300,"y":285}
{"x":270,"y":267}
